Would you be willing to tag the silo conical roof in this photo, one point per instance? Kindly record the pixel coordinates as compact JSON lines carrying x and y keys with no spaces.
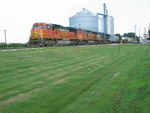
{"x":84,"y":13}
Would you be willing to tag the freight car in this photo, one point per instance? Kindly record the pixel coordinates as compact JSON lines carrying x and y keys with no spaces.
{"x":43,"y":34}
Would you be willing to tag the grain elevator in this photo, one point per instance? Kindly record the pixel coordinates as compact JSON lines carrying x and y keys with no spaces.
{"x":97,"y":22}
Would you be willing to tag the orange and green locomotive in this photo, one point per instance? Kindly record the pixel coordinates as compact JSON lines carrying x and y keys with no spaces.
{"x":43,"y":34}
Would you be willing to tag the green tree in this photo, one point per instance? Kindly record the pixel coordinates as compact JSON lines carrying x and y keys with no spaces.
{"x":130,"y":35}
{"x":119,"y":35}
{"x":125,"y":35}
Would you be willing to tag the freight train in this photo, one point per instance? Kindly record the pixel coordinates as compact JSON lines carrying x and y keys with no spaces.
{"x":43,"y":34}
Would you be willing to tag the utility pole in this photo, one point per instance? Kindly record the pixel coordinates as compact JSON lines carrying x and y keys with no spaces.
{"x":139,"y":38}
{"x":144,"y":33}
{"x":135,"y":31}
{"x":5,"y":36}
{"x":139,"y":32}
{"x":149,"y":30}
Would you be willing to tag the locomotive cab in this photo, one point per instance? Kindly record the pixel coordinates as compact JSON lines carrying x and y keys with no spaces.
{"x":38,"y":30}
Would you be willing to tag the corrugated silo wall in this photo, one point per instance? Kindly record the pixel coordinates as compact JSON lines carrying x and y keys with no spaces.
{"x":85,"y":22}
{"x":101,"y":25}
{"x":110,"y":25}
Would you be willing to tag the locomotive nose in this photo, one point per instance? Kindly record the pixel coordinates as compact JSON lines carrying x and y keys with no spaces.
{"x":35,"y":32}
{"x":38,"y":32}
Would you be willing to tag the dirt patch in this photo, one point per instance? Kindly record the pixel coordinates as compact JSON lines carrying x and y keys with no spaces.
{"x":20,"y":96}
{"x":13,"y":99}
{"x":60,"y":81}
{"x":115,"y":75}
{"x":57,"y":75}
{"x":117,"y":101}
{"x":34,"y":69}
{"x":7,"y":93}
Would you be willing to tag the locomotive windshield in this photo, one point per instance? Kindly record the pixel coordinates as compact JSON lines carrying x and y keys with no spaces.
{"x":39,"y":26}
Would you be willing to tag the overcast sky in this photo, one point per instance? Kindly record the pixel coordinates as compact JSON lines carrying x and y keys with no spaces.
{"x":18,"y":16}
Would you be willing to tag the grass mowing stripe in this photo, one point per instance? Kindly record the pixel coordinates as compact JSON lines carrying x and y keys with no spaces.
{"x":44,"y":70}
{"x":75,"y":87}
{"x":67,"y":96}
{"x":79,"y":91}
{"x":103,"y":85}
{"x":72,"y":69}
{"x":31,"y":65}
{"x":48,"y":68}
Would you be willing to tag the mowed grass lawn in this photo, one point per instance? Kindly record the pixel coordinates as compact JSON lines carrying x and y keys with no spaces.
{"x":83,"y":79}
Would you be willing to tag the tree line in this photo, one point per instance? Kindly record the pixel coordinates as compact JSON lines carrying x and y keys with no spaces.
{"x":129,"y":35}
{"x":13,"y":45}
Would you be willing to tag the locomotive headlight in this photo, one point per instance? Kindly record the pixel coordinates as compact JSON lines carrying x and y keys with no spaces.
{"x":42,"y":33}
{"x":37,"y":32}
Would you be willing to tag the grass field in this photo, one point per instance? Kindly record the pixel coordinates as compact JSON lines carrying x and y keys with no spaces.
{"x":83,"y":79}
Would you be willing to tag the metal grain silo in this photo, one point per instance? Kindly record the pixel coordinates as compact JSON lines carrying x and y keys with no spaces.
{"x":110,"y":25}
{"x":84,"y":19}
